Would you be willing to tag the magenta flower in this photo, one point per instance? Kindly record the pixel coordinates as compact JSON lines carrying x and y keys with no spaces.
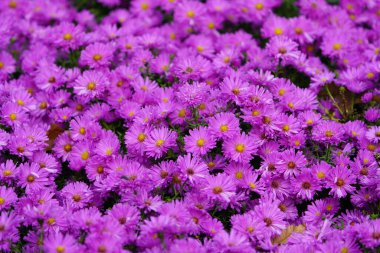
{"x":240,"y":148}
{"x":199,"y":142}
{"x":159,"y":141}
{"x":219,"y":188}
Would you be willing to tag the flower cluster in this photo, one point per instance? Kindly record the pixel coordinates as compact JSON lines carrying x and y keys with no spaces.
{"x":189,"y":126}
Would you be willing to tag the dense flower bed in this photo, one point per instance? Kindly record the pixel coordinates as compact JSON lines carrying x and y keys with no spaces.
{"x":189,"y":126}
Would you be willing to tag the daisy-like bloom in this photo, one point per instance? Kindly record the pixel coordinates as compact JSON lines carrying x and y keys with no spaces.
{"x":199,"y":142}
{"x":252,"y":183}
{"x":12,"y":114}
{"x":192,"y":167}
{"x":189,"y":11}
{"x":108,"y":145}
{"x":233,"y":241}
{"x":328,"y":132}
{"x":68,"y":35}
{"x":274,"y":26}
{"x":288,"y":125}
{"x":160,"y":141}
{"x":91,"y":84}
{"x":136,"y":136}
{"x":7,"y":197}
{"x":192,"y":94}
{"x":272,"y":216}
{"x":234,"y":87}
{"x":4,"y":138}
{"x":97,"y":55}
{"x":277,"y":186}
{"x":7,"y":64}
{"x":58,"y":243}
{"x":125,"y":214}
{"x":340,"y":180}
{"x":248,"y":224}
{"x":240,"y":148}
{"x":8,"y":171}
{"x":370,"y":236}
{"x":305,"y":185}
{"x":373,"y":134}
{"x":292,"y":163}
{"x":336,"y":43}
{"x":76,"y":195}
{"x":32,"y":177}
{"x":224,"y":125}
{"x":80,"y":155}
{"x":283,"y":48}
{"x":220,"y":188}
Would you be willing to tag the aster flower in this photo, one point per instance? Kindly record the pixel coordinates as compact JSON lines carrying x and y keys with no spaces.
{"x":292,"y":163}
{"x":339,"y":181}
{"x":96,"y":55}
{"x":159,"y":141}
{"x":56,"y":242}
{"x":108,"y":145}
{"x":7,"y":64}
{"x":76,"y":195}
{"x":7,"y":197}
{"x":271,"y":216}
{"x":91,"y":84}
{"x":199,"y":142}
{"x":283,"y":48}
{"x":192,"y":167}
{"x":32,"y":177}
{"x":305,"y":185}
{"x":373,"y":134}
{"x":239,"y":148}
{"x":219,"y":188}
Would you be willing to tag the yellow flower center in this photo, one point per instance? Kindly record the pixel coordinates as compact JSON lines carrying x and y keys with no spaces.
{"x":91,"y":86}
{"x":7,"y":173}
{"x":182,"y":113}
{"x":281,"y":92}
{"x":223,"y":128}
{"x":329,"y":134}
{"x":252,"y":185}
{"x":109,"y":152}
{"x":159,"y":143}
{"x":298,"y":30}
{"x":60,"y":249}
{"x":1,"y":64}
{"x":285,"y":128}
{"x":211,"y":25}
{"x":43,"y":105}
{"x":13,"y":116}
{"x":50,"y":221}
{"x":144,"y":6}
{"x":337,"y":46}
{"x":82,"y":130}
{"x":97,"y":57}
{"x":85,"y":155}
{"x":278,"y":31}
{"x":190,"y":14}
{"x":2,"y":201}
{"x":240,"y":148}
{"x":217,"y":190}
{"x":30,"y":178}
{"x":200,"y":142}
{"x":141,"y":137}
{"x":239,"y":175}
{"x":67,"y":36}
{"x":259,"y":6}
{"x":370,"y":75}
{"x":77,"y":197}
{"x":320,"y":175}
